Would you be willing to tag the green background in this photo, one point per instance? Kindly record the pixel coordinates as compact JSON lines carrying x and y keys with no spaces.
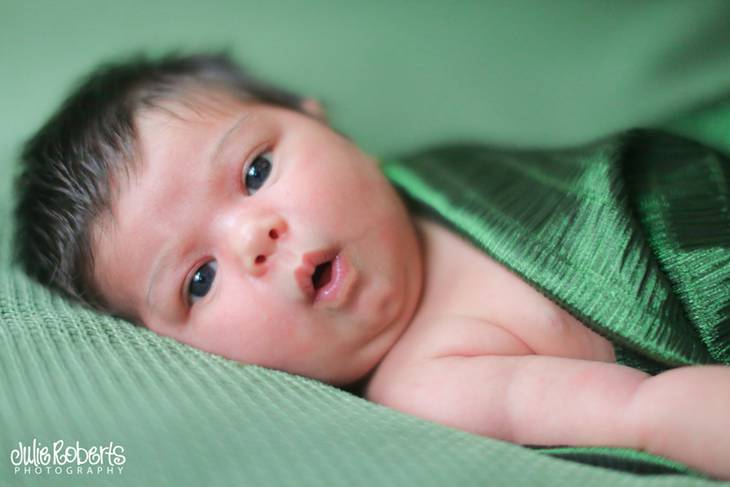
{"x":399,"y":74}
{"x":394,"y":76}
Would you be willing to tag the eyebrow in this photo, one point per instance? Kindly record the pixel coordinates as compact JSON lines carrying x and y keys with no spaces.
{"x":160,"y":263}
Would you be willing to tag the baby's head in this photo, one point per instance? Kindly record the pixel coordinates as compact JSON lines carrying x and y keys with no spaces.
{"x":215,"y":209}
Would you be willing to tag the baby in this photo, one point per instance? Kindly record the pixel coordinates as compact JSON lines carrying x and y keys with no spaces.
{"x":222,"y":212}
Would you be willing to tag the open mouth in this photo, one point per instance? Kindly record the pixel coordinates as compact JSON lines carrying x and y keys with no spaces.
{"x":317,"y":272}
{"x":322,"y":275}
{"x":326,"y":277}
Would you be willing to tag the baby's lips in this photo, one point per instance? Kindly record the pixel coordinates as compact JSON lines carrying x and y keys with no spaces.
{"x":310,"y":261}
{"x":303,"y":276}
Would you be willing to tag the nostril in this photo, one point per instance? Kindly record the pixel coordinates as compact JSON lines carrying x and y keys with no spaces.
{"x":260,"y":259}
{"x":273,"y":234}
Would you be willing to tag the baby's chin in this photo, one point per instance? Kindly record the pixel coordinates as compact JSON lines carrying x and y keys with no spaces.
{"x":354,"y":382}
{"x":340,"y":376}
{"x":358,"y":386}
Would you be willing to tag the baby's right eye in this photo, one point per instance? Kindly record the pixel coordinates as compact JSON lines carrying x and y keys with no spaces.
{"x":202,"y":281}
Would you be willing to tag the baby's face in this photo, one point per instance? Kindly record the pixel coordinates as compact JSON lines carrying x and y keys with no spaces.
{"x":260,"y":234}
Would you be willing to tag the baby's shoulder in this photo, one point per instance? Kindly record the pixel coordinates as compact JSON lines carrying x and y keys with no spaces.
{"x":435,"y":337}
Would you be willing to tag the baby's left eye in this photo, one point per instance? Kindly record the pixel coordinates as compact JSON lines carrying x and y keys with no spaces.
{"x":257,"y":172}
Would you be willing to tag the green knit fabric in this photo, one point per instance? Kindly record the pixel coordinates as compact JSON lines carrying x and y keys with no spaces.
{"x":185,"y":417}
{"x":630,"y":234}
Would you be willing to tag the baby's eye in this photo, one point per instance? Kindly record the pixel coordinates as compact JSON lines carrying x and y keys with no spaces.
{"x":257,"y":172}
{"x":201,"y":281}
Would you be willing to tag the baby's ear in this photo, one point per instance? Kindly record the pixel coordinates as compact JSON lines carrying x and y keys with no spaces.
{"x":314,"y":108}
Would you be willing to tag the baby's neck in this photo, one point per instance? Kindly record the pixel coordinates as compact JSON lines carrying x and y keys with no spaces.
{"x":434,"y":246}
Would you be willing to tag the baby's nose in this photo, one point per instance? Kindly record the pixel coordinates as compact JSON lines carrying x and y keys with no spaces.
{"x":259,"y":243}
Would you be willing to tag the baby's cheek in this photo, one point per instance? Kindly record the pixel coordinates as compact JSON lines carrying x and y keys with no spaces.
{"x":276,"y":336}
{"x":226,"y":329}
{"x":364,"y":206}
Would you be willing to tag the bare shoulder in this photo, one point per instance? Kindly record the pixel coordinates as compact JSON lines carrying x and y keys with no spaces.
{"x":434,"y":337}
{"x":418,"y":375}
{"x":436,"y":391}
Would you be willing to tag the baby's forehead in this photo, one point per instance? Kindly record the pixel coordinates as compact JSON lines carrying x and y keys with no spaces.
{"x":194,"y":121}
{"x":181,"y":137}
{"x":186,"y":108}
{"x":190,"y":106}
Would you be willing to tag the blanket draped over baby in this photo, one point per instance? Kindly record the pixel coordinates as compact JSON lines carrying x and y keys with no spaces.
{"x":630,"y":234}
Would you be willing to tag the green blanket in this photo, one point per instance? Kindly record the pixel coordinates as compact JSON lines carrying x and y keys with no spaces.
{"x":631,"y":234}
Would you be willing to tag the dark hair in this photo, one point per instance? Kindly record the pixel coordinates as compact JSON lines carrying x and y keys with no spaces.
{"x":65,"y":181}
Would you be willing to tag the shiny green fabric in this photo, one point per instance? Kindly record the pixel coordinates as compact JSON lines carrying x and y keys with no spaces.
{"x":631,"y":234}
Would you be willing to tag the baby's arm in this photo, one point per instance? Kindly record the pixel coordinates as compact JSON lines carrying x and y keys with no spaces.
{"x":682,"y":414}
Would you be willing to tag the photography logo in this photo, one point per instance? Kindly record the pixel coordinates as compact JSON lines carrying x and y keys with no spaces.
{"x":60,"y":458}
